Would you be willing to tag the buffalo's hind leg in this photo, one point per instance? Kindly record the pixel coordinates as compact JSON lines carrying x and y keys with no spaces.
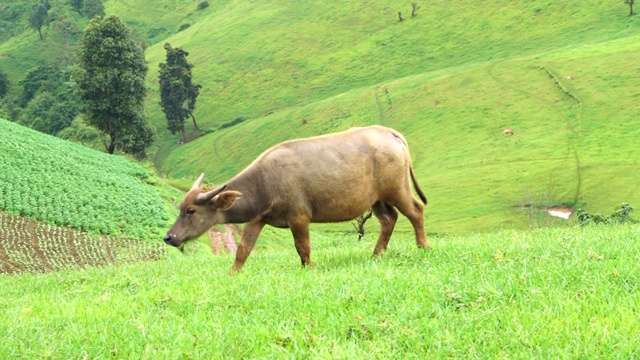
{"x":248,"y":240}
{"x":387,"y":215}
{"x":413,"y":209}
{"x":300,"y":230}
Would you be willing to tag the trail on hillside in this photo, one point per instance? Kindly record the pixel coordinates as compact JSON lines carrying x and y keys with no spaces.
{"x":571,"y":120}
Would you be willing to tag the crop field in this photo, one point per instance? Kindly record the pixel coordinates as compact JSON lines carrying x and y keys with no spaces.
{"x":28,"y":246}
{"x":61,"y":183}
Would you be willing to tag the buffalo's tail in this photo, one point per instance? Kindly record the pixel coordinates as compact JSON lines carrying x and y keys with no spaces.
{"x":417,"y":187}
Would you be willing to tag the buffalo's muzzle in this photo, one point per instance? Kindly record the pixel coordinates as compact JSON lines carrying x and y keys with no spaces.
{"x":167,"y":239}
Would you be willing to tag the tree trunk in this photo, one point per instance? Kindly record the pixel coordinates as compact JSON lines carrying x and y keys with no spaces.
{"x":112,"y":145}
{"x":194,"y":120}
{"x":184,"y":136}
{"x":40,"y":33}
{"x":631,"y":9}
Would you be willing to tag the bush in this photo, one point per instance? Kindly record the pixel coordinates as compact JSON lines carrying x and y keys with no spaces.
{"x":203,"y":5}
{"x":620,"y":216}
{"x":231,"y":123}
{"x":184,"y":27}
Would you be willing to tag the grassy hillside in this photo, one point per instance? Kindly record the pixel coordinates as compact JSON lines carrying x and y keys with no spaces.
{"x":451,"y":79}
{"x":553,"y":293}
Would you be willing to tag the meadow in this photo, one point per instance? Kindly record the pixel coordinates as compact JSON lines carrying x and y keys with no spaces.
{"x":84,"y":274}
{"x":565,"y":293}
{"x":562,"y":76}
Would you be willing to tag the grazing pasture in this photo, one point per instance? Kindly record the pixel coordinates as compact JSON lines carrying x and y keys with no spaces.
{"x":545,"y":293}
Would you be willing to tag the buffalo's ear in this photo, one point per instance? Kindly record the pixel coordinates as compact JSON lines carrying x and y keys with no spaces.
{"x":225,"y":199}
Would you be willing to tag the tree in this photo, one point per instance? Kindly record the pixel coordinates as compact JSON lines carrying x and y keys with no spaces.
{"x":77,"y":5}
{"x":630,"y":3}
{"x":93,"y":8}
{"x":66,"y":33}
{"x":48,"y":99}
{"x":178,"y":94}
{"x":414,"y":9}
{"x":40,"y":78}
{"x":4,"y":84}
{"x":47,"y":114}
{"x":40,"y":16}
{"x":110,"y":77}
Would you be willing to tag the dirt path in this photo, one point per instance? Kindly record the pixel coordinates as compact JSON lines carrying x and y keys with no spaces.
{"x":570,"y":121}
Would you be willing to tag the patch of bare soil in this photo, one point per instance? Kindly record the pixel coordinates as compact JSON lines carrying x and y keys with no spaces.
{"x":28,"y":246}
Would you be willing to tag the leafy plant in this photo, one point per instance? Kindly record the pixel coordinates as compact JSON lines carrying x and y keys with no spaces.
{"x":620,"y":216}
{"x":70,"y":185}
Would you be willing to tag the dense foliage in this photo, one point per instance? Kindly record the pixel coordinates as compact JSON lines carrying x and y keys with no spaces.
{"x":178,"y":93}
{"x":4,"y":83}
{"x":67,"y":184}
{"x":49,"y":103}
{"x":110,"y":77}
{"x":621,"y":215}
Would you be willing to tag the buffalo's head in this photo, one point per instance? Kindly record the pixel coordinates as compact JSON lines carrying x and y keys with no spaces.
{"x":200,"y":209}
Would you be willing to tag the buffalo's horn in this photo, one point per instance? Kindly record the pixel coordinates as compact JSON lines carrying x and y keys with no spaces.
{"x":198,"y":182}
{"x":204,"y":197}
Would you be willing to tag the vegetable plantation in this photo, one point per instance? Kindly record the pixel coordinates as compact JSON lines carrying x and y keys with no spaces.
{"x":28,"y":246}
{"x":61,"y":183}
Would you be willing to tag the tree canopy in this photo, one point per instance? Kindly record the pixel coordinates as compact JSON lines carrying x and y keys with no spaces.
{"x":178,"y":94}
{"x":93,"y":8}
{"x":110,"y":77}
{"x":4,"y":84}
{"x":40,"y":16}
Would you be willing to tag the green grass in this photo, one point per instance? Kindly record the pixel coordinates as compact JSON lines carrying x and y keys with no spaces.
{"x":547,"y":293}
{"x":451,"y":79}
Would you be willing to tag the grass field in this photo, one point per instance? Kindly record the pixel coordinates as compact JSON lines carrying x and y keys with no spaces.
{"x":451,"y":79}
{"x":549,"y":293}
{"x":504,"y":279}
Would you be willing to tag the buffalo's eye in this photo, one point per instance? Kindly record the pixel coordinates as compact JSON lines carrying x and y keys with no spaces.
{"x":191,"y":211}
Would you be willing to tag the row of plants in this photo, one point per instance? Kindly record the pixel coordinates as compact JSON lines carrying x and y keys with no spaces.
{"x":44,"y":247}
{"x":69,"y":185}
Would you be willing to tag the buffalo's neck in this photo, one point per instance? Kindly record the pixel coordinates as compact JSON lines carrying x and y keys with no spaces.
{"x":250,"y":205}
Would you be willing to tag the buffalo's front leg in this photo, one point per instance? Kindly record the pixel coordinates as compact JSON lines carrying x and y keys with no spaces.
{"x":300,"y":230}
{"x":249,"y":235}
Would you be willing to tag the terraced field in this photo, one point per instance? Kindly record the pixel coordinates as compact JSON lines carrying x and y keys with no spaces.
{"x":28,"y":246}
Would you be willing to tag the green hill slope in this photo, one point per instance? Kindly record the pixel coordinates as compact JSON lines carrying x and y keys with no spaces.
{"x":451,"y":79}
{"x":573,"y":144}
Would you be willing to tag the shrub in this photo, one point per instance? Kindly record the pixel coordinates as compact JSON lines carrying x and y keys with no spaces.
{"x":620,"y":216}
{"x":231,"y":123}
{"x":203,"y":5}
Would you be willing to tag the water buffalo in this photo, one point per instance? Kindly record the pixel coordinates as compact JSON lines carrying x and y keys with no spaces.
{"x":328,"y":178}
